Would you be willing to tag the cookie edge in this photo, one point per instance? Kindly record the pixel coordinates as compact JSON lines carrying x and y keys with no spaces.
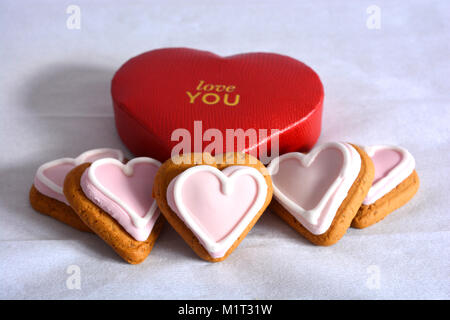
{"x":56,"y":209}
{"x":373,"y":213}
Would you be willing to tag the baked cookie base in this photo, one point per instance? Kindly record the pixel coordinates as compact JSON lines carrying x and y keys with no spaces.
{"x":105,"y":226}
{"x":56,"y":209}
{"x":169,"y":170}
{"x":397,"y":197}
{"x":344,"y":214}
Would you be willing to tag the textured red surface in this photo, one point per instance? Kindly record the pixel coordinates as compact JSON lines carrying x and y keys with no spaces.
{"x":158,"y":92}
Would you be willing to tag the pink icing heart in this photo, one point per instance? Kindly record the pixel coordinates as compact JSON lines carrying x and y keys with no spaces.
{"x":58,"y":172}
{"x":312,"y":186}
{"x":49,"y":178}
{"x":307,"y":185}
{"x":384,"y":161}
{"x":217,"y":205}
{"x":125,"y":192}
{"x":392,"y":166}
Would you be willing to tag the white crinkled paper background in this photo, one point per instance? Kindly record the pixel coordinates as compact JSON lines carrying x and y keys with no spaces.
{"x":387,"y":85}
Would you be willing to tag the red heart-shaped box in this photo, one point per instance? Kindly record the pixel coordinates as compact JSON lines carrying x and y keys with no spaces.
{"x":163,"y":90}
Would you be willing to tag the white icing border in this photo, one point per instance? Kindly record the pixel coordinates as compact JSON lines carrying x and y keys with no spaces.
{"x":138,"y":221}
{"x":342,"y":184}
{"x":74,"y":161}
{"x":227,"y":184}
{"x":399,"y":173}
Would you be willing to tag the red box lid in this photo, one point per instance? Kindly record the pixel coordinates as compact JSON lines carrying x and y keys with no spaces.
{"x":163,"y":95}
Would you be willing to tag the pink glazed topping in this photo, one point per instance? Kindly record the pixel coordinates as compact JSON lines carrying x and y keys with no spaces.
{"x":392,"y":166}
{"x":308,"y":185}
{"x":312,"y":186}
{"x":124,"y":192}
{"x":49,"y":178}
{"x":217,"y":205}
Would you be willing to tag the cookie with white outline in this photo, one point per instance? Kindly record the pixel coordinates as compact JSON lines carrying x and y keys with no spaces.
{"x":46,"y":194}
{"x":115,"y":201}
{"x":319,"y":193}
{"x":212,"y":202}
{"x":395,"y":183}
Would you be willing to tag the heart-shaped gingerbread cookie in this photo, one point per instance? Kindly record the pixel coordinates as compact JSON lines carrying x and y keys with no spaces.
{"x":115,"y":201}
{"x":319,"y":193}
{"x":46,"y":194}
{"x":213,"y":203}
{"x":395,"y":183}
